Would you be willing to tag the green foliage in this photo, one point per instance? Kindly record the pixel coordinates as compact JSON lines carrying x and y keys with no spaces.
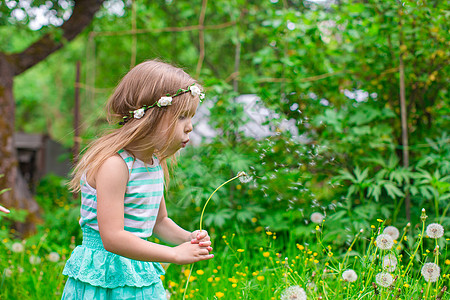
{"x":60,"y":210}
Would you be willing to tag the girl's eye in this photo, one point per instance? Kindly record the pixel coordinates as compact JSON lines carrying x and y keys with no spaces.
{"x":182,"y":117}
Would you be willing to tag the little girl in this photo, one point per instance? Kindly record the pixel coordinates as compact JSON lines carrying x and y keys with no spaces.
{"x":122,"y":177}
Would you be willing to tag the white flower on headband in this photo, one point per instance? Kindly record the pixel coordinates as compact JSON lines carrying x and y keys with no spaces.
{"x":139,"y":113}
{"x":195,"y":90}
{"x":164,"y":101}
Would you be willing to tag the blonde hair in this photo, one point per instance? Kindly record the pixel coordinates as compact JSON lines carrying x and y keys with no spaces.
{"x":142,"y":85}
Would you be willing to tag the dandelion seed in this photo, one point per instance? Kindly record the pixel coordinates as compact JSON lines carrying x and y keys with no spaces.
{"x":392,"y":231}
{"x":390,"y":263}
{"x":293,"y":293}
{"x":317,"y":217}
{"x":349,"y":275}
{"x":384,"y":279}
{"x":53,"y":257}
{"x":435,"y":230}
{"x":431,"y":272}
{"x":385,"y":242}
{"x":17,"y":247}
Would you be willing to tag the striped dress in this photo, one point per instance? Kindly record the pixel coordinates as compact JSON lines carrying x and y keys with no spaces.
{"x":95,"y":273}
{"x":143,"y":195}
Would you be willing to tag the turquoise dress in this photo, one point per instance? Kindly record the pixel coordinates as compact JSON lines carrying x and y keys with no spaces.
{"x":95,"y":273}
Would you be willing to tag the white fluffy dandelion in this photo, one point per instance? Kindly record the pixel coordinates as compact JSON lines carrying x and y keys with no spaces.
{"x":349,"y":275}
{"x":390,"y":263}
{"x":317,"y":217}
{"x":17,"y":247}
{"x":293,"y":293}
{"x":8,"y":272}
{"x":392,"y":231}
{"x":384,"y":279}
{"x":244,"y":178}
{"x":53,"y":257}
{"x":435,"y":230}
{"x":35,"y":260}
{"x":385,"y":241}
{"x":431,"y":272}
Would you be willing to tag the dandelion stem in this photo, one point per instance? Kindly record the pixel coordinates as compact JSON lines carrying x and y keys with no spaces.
{"x":201,"y":222}
{"x":207,"y":201}
{"x":411,"y":258}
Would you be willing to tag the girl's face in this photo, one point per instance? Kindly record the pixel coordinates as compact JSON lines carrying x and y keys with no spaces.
{"x":180,"y":136}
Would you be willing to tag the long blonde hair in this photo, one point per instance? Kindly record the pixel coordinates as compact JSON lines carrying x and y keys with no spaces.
{"x":143,"y":85}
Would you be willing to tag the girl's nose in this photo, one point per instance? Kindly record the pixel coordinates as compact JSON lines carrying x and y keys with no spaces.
{"x":189,"y":127}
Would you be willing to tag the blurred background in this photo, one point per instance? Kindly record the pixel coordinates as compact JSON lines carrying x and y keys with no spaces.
{"x":332,"y":106}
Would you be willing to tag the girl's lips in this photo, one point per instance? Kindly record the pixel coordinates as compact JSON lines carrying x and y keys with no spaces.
{"x":183,"y":144}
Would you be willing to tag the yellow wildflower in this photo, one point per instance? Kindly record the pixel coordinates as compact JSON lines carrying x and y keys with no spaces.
{"x":219,"y":294}
{"x":260,"y":278}
{"x":266,"y":254}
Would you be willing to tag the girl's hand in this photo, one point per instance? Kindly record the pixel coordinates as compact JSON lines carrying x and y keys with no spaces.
{"x":188,"y":253}
{"x":202,"y":238}
{"x":3,"y":209}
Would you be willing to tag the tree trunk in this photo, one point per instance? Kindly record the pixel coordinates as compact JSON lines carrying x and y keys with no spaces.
{"x":14,"y":64}
{"x":19,"y":196}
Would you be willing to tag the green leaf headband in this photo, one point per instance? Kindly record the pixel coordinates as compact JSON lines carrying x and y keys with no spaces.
{"x":163,"y":101}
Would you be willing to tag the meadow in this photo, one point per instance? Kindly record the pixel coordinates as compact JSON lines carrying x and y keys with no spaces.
{"x":379,"y":262}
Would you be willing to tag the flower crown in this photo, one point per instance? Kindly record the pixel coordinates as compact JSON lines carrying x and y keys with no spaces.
{"x":163,"y":101}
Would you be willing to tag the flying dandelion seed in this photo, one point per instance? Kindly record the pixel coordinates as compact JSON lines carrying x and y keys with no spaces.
{"x":435,"y":230}
{"x":349,"y":275}
{"x":390,"y":263}
{"x":293,"y":293}
{"x":392,"y":231}
{"x":317,"y":217}
{"x":384,"y":279}
{"x":431,"y":272}
{"x":17,"y":247}
{"x":385,"y":241}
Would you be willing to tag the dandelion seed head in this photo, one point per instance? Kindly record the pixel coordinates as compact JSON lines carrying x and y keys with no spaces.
{"x":317,"y":217}
{"x":293,"y":293}
{"x":8,"y":272}
{"x":349,"y":275}
{"x":435,"y":230}
{"x":385,"y":241}
{"x":431,"y":272}
{"x":244,"y":178}
{"x":35,"y":260}
{"x":390,"y":263}
{"x":53,"y":257}
{"x":17,"y":247}
{"x":384,"y":279}
{"x":392,"y":231}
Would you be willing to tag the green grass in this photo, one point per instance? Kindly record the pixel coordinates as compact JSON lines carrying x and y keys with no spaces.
{"x":260,"y":265}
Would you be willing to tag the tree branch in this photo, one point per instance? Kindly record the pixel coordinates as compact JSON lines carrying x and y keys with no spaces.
{"x":82,"y":15}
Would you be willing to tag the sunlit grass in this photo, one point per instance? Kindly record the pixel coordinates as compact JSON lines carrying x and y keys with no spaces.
{"x":262,"y":264}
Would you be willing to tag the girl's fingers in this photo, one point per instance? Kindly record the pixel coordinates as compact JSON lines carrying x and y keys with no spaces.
{"x":205,"y":244}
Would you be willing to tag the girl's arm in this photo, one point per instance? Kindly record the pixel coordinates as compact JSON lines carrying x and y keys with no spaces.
{"x":170,"y":232}
{"x":110,"y":182}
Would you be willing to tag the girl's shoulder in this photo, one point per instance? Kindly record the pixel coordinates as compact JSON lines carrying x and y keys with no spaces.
{"x":114,"y":168}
